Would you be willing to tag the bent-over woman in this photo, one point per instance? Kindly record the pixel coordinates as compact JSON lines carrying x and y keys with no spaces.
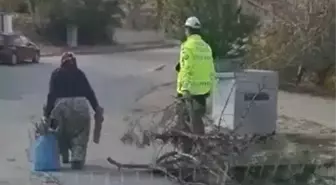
{"x":67,"y":107}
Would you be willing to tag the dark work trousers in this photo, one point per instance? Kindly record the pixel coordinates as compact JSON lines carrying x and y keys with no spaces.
{"x":190,"y":113}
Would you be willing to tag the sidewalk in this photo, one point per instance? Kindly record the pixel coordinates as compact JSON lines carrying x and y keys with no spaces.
{"x":54,"y":50}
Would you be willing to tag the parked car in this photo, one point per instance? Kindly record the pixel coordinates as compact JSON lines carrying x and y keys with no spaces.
{"x":15,"y":48}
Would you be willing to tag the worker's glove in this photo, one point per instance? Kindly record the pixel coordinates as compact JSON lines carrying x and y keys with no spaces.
{"x":177,"y":67}
{"x":186,"y":95}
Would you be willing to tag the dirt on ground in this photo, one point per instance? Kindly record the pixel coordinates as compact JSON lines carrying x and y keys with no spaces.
{"x":288,"y":124}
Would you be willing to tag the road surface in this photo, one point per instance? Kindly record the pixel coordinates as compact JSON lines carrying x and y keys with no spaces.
{"x":119,"y":80}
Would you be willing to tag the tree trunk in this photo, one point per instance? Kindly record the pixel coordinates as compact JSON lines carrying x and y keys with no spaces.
{"x":299,"y":75}
{"x":159,"y":10}
{"x":32,"y":10}
{"x":323,"y":74}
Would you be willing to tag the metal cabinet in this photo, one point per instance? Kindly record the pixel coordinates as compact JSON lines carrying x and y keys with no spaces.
{"x":246,"y":101}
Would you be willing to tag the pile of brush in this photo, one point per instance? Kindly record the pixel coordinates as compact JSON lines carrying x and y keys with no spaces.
{"x":210,"y":158}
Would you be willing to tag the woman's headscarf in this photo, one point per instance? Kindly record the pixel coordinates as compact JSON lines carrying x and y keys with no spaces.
{"x":68,"y":60}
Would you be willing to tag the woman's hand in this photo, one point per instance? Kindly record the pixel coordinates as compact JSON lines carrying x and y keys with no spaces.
{"x":44,"y":119}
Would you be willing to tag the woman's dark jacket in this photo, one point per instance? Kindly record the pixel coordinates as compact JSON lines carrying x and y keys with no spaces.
{"x":69,"y":83}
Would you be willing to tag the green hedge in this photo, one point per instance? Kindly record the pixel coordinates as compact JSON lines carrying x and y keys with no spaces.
{"x":94,"y":18}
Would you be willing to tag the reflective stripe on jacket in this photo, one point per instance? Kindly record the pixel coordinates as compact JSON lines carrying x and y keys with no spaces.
{"x":197,"y":71}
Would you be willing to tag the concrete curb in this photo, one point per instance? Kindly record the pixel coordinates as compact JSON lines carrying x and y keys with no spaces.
{"x":116,"y":49}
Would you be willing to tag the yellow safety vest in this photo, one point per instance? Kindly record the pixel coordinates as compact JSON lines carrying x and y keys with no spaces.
{"x":197,"y":70}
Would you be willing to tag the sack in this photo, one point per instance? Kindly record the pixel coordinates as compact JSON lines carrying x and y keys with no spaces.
{"x":45,"y":153}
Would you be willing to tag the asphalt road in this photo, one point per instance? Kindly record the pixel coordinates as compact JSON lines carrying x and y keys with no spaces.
{"x":118,"y":80}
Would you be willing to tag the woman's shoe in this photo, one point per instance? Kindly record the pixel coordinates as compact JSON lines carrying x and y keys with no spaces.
{"x":77,"y":165}
{"x":65,"y":158}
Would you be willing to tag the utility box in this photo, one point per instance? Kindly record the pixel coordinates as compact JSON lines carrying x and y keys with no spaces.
{"x":246,"y":101}
{"x":6,"y":22}
{"x":72,"y":36}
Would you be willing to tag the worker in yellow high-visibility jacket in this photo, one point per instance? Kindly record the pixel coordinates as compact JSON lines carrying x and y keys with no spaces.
{"x":195,"y":74}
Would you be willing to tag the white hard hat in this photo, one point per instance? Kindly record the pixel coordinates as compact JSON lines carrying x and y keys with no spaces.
{"x":193,"y":22}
